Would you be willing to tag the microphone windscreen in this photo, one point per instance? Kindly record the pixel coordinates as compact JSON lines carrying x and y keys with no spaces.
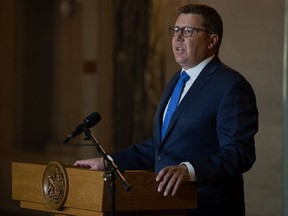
{"x":92,"y":119}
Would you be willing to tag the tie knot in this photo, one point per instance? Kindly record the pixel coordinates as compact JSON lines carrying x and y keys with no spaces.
{"x":184,"y":76}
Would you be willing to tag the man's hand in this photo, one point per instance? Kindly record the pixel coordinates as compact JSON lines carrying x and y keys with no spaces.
{"x":171,"y":178}
{"x":93,"y":163}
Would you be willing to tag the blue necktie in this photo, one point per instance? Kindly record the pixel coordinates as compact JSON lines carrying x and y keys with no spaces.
{"x":174,"y":101}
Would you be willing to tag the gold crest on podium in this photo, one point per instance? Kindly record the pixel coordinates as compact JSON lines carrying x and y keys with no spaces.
{"x":54,"y":185}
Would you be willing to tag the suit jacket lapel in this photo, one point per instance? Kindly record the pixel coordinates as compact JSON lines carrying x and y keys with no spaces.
{"x":196,"y":87}
{"x":161,"y":108}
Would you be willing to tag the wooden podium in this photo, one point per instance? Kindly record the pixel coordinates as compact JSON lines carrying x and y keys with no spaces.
{"x":88,"y":194}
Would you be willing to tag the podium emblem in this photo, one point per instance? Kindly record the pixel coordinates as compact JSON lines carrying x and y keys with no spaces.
{"x":54,"y":185}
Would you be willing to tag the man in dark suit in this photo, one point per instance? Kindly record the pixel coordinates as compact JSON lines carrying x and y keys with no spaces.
{"x":209,"y":138}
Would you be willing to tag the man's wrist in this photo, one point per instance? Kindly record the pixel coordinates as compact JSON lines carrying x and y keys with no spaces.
{"x":191,"y":170}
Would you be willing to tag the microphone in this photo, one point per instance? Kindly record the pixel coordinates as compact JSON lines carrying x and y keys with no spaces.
{"x":90,"y":121}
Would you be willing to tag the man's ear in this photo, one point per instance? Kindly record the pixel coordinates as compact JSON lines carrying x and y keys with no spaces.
{"x":213,"y":41}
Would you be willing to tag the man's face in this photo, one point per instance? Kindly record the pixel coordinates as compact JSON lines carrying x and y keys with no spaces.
{"x":190,"y":51}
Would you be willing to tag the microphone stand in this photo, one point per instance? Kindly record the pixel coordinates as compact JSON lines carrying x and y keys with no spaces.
{"x":109,"y":176}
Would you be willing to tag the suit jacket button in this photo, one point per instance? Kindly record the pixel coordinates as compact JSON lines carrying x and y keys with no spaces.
{"x":159,"y":157}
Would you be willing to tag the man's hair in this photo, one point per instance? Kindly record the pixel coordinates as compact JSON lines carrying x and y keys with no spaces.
{"x":212,"y":20}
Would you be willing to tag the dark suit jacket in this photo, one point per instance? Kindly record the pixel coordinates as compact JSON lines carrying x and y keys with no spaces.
{"x":213,"y":128}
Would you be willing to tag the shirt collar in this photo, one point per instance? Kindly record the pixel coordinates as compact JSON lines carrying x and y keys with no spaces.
{"x":195,"y":71}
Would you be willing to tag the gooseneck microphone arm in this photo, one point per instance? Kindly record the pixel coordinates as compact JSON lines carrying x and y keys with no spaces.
{"x":107,"y":157}
{"x":114,"y":170}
